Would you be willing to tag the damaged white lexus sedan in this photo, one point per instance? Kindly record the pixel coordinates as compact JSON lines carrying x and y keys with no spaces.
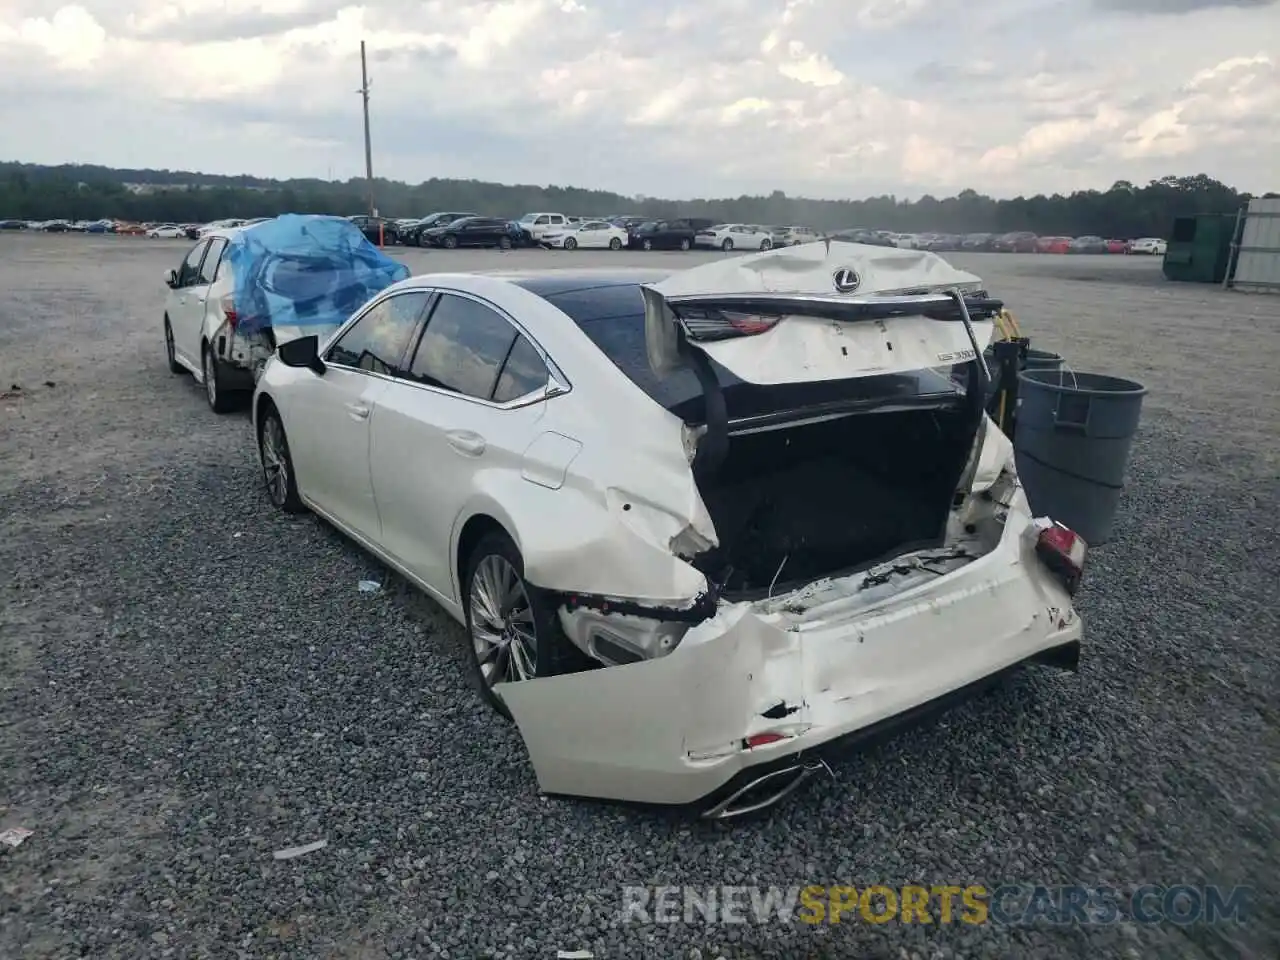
{"x":701,"y":527}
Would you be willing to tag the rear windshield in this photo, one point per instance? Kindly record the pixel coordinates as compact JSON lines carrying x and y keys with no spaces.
{"x":613,"y":317}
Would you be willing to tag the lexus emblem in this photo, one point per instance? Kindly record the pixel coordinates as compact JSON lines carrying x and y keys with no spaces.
{"x":846,"y":280}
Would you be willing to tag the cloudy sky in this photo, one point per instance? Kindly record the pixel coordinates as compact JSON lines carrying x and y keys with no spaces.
{"x":673,"y":98}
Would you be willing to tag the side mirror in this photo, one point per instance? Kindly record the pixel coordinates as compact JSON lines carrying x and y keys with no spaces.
{"x":171,"y":278}
{"x":303,"y":352}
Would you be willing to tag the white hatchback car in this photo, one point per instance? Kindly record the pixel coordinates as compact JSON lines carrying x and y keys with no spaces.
{"x":698,"y":526}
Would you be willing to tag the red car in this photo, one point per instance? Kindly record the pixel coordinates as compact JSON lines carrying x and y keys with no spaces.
{"x":1117,"y":246}
{"x":1052,"y":244}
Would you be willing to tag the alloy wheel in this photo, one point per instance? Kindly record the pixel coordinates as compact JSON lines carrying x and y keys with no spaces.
{"x":502,"y":626}
{"x":275,"y":461}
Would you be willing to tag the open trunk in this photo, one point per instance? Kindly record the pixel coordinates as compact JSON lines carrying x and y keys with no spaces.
{"x":840,"y":395}
{"x":796,"y":503}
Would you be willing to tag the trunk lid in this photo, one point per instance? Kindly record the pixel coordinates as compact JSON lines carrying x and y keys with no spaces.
{"x":816,"y":296}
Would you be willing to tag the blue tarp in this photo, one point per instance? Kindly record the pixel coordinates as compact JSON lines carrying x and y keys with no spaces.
{"x":305,"y":271}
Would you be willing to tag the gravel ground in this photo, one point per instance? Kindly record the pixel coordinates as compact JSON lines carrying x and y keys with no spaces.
{"x":189,"y":682}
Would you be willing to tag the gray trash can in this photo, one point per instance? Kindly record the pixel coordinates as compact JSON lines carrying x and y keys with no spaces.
{"x":1042,"y":360}
{"x":1072,"y":445}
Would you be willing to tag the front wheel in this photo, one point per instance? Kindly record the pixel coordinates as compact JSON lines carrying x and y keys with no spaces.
{"x":727,"y":245}
{"x":570,"y":243}
{"x":277,"y":464}
{"x":504,"y":243}
{"x":449,"y":242}
{"x":170,"y":353}
{"x":766,"y":244}
{"x":615,"y":244}
{"x":513,"y":635}
{"x":684,"y":244}
{"x":647,"y":245}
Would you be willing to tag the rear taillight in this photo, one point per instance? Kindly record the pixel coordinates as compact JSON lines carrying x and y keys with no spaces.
{"x":1063,"y":551}
{"x":229,"y":312}
{"x":724,"y":324}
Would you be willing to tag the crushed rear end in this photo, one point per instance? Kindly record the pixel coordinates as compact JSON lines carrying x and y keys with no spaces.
{"x":873,"y":554}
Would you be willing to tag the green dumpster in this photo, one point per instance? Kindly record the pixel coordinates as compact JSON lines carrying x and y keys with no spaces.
{"x":1200,"y":248}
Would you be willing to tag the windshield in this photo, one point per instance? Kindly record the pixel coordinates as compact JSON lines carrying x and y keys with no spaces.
{"x":528,"y":218}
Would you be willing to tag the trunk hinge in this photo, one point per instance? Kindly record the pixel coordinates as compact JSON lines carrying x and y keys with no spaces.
{"x":713,"y":446}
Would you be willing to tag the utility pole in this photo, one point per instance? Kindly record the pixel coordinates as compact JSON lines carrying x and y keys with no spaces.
{"x":368,"y":144}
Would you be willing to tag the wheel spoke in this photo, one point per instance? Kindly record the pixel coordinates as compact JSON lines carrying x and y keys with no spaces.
{"x":503,"y":635}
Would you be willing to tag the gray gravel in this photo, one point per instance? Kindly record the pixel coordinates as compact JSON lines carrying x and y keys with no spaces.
{"x":189,"y":682}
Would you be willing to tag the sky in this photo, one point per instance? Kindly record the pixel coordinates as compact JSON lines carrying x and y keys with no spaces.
{"x":700,"y":98}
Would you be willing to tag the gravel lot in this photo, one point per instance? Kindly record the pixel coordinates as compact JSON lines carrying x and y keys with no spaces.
{"x":189,"y":682}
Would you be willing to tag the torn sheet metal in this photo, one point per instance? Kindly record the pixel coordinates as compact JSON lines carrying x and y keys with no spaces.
{"x":841,"y":654}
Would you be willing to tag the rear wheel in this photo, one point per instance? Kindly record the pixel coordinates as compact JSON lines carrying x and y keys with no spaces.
{"x":513,"y":635}
{"x":766,"y":244}
{"x":449,"y":242}
{"x":504,"y":243}
{"x":220,"y":401}
{"x":647,"y":245}
{"x":570,"y":243}
{"x":170,"y":352}
{"x":615,"y":244}
{"x":684,"y":244}
{"x":727,"y":245}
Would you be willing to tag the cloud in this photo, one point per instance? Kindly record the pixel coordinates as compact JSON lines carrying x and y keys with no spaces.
{"x":665,"y":98}
{"x":1174,"y":7}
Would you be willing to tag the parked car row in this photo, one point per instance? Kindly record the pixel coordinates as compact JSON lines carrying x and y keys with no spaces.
{"x":460,"y":228}
{"x":534,"y":452}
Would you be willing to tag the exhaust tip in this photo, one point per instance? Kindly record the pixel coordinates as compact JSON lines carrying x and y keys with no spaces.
{"x":764,"y":791}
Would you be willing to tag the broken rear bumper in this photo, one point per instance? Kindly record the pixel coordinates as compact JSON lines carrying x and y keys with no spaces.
{"x":769,"y":686}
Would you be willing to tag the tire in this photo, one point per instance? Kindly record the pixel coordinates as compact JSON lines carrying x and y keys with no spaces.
{"x":504,"y":243}
{"x":766,"y":244}
{"x":220,"y":401}
{"x":615,"y":244}
{"x":684,"y":244}
{"x":727,"y":246}
{"x":570,"y":243}
{"x":449,"y":242}
{"x":495,"y":561}
{"x":278,"y":475}
{"x":646,"y":245}
{"x":170,"y":353}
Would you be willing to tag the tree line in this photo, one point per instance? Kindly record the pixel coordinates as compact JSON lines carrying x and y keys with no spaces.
{"x":82,"y":192}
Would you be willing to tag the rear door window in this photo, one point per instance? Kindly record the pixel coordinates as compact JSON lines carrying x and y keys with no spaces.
{"x":522,"y":374}
{"x":189,"y":273}
{"x":463,"y":347}
{"x":212,"y":260}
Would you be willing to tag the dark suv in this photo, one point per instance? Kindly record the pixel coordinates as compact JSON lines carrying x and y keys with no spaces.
{"x":413,"y":235}
{"x":662,"y":235}
{"x":469,"y":232}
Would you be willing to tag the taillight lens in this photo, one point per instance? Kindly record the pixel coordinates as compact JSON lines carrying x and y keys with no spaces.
{"x":725,"y":324}
{"x":229,"y":312}
{"x":1063,"y":551}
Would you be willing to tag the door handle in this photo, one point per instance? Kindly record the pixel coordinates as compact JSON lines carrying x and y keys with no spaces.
{"x":358,"y":411}
{"x":467,"y":443}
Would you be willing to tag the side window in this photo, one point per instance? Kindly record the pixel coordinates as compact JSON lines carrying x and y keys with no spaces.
{"x":212,"y":260}
{"x":190,"y":269}
{"x":378,"y":340}
{"x":463,"y":347}
{"x":557,"y":219}
{"x":542,"y":220}
{"x":523,"y":373}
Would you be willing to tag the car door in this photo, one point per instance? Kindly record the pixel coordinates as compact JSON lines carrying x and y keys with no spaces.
{"x":186,"y":305}
{"x":210,"y":313}
{"x":591,"y":236}
{"x":457,"y":423}
{"x":329,"y":415}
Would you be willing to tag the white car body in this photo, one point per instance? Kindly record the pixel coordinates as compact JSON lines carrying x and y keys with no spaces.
{"x":196,"y":312}
{"x":536,"y":224}
{"x":906,"y":241}
{"x":595,"y":483}
{"x":734,"y":236}
{"x":167,"y":231}
{"x":586,"y":235}
{"x":219,"y":225}
{"x":1152,"y":246}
